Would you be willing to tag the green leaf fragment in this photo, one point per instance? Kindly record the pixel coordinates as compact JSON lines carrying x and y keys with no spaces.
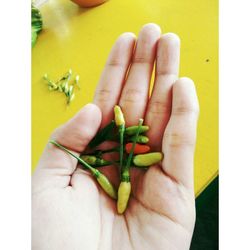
{"x":36,"y":24}
{"x":33,"y":37}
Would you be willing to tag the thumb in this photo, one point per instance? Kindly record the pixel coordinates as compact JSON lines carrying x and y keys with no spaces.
{"x":55,"y":166}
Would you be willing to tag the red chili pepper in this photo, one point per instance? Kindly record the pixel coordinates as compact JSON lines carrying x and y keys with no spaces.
{"x":139,"y":149}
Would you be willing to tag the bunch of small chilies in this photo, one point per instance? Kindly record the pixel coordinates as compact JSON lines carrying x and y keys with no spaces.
{"x":64,"y":85}
{"x":133,"y":152}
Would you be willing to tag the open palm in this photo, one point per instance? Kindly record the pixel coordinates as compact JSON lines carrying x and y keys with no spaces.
{"x":70,"y":211}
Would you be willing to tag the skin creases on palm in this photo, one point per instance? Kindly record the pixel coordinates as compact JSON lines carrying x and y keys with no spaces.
{"x":150,"y":212}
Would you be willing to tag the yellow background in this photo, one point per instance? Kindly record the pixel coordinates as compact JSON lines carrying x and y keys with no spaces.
{"x":82,"y":38}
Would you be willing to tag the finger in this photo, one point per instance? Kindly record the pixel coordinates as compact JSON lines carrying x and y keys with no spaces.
{"x":135,"y":92}
{"x":110,"y":85}
{"x":159,"y":107}
{"x":180,"y":134}
{"x":56,"y":166}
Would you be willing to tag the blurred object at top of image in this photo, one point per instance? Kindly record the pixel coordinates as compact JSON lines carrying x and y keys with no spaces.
{"x":81,"y":3}
{"x":88,"y":3}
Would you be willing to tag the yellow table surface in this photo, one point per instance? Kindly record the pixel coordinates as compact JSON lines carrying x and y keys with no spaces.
{"x":81,"y":39}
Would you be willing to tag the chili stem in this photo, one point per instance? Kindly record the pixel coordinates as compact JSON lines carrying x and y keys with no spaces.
{"x":134,"y":143}
{"x":93,"y":170}
{"x":125,"y":171}
{"x":101,"y":178}
{"x":99,"y":152}
{"x":121,"y":132}
{"x":108,"y":163}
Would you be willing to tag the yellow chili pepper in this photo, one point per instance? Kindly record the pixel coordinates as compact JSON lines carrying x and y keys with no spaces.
{"x":125,"y":185}
{"x":120,"y":123}
{"x":144,"y":160}
{"x":106,"y":185}
{"x":123,"y":196}
{"x":119,"y":118}
{"x":101,"y":178}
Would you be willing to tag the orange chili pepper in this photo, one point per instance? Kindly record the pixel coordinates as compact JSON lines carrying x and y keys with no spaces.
{"x":139,"y":148}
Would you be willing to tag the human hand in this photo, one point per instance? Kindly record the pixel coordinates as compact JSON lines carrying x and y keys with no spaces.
{"x":70,"y":211}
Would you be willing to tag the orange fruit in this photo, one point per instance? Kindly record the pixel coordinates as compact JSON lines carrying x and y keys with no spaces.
{"x":88,"y":3}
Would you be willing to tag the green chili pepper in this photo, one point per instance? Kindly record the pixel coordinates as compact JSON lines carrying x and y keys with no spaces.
{"x":134,"y":143}
{"x":62,"y":85}
{"x":140,"y":139}
{"x":133,"y":129}
{"x":95,"y":161}
{"x":90,"y":159}
{"x":125,"y":185}
{"x":120,"y":123}
{"x":101,"y":178}
{"x":70,"y":98}
{"x":106,"y":185}
{"x":145,"y":160}
{"x":52,"y":85}
{"x":65,"y":77}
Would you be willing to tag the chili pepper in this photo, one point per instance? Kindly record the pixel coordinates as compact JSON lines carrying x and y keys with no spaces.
{"x":132,"y":130}
{"x":106,"y":185}
{"x":119,"y":118}
{"x":120,"y":123}
{"x":140,"y":139}
{"x":52,"y":85}
{"x":125,"y":186}
{"x":149,"y":159}
{"x":95,"y":161}
{"x":139,"y":149}
{"x":90,"y":159}
{"x":62,"y":85}
{"x":123,"y":196}
{"x":100,"y":177}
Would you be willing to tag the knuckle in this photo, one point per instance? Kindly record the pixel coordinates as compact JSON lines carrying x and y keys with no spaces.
{"x":185,"y":110}
{"x":133,"y":96}
{"x":114,"y":63}
{"x":176,"y":139}
{"x":165,"y":72}
{"x":141,"y":60}
{"x":159,"y":107}
{"x":103,"y":95}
